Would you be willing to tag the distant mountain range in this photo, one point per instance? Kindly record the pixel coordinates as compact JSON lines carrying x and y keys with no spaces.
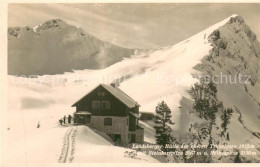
{"x":55,"y":47}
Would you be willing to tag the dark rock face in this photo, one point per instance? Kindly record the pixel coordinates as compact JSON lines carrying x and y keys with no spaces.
{"x":56,"y":47}
{"x":235,"y":50}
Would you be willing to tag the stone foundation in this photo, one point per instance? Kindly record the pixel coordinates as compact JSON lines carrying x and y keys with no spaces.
{"x":119,"y":126}
{"x":139,"y":135}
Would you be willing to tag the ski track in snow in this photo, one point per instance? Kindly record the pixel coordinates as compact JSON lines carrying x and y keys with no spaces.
{"x":68,"y":149}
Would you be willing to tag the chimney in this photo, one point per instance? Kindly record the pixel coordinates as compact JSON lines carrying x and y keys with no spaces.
{"x":114,"y":84}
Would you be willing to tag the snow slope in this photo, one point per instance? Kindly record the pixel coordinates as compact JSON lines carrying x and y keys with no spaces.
{"x":58,"y":144}
{"x":30,"y":103}
{"x":97,"y":150}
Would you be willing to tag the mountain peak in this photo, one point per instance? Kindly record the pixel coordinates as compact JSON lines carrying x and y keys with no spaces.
{"x":234,"y":15}
{"x":236,"y":18}
{"x":52,"y":24}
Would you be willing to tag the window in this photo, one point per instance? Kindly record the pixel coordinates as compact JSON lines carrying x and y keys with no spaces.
{"x":105,"y":105}
{"x":108,"y":121}
{"x":101,"y":93}
{"x":96,"y":104}
{"x":126,"y":121}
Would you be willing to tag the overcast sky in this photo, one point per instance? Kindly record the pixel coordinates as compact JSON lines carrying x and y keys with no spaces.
{"x":144,"y":26}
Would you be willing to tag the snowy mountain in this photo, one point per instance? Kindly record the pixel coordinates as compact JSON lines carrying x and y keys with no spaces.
{"x":55,"y":47}
{"x":165,"y":74}
{"x":227,"y":48}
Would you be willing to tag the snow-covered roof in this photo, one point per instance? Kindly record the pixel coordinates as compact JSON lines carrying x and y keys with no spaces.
{"x":134,"y":114}
{"x":116,"y":92}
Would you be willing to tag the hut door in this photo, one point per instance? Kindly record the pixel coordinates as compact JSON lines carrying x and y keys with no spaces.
{"x":132,"y":138}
